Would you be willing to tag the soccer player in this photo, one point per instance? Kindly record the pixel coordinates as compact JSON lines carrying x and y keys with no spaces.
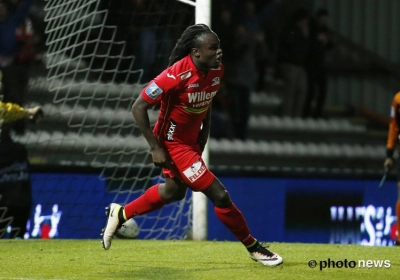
{"x":393,"y":137}
{"x":185,"y":90}
{"x":10,"y":112}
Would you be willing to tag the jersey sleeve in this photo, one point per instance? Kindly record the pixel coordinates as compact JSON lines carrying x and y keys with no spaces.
{"x":393,"y":126}
{"x":10,"y":112}
{"x":164,"y":84}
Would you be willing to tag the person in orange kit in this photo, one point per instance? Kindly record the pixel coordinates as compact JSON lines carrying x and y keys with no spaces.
{"x":393,"y":137}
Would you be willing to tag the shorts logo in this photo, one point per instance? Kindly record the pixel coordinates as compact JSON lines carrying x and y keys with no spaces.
{"x":195,"y":171}
{"x":171,"y":130}
{"x":215,"y":81}
{"x":153,"y":90}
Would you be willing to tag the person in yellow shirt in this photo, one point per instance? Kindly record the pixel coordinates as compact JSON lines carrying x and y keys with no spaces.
{"x":10,"y":112}
{"x":15,"y":191}
{"x":392,"y":140}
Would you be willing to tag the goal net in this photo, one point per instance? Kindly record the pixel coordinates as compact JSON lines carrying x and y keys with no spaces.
{"x":99,"y":55}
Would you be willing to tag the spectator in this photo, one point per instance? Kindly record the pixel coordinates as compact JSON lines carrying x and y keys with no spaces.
{"x":146,"y":37}
{"x":240,"y":77}
{"x":254,"y":17}
{"x":147,"y":49}
{"x":221,"y":126}
{"x":26,"y":45}
{"x":224,"y":25}
{"x":293,"y":50}
{"x":321,"y":41}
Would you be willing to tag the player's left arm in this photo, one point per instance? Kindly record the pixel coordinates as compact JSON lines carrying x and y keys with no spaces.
{"x":205,"y":130}
{"x":393,"y":132}
{"x":10,"y":112}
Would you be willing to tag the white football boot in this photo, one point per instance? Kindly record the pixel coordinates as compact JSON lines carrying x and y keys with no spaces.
{"x":266,"y":257}
{"x":112,"y":224}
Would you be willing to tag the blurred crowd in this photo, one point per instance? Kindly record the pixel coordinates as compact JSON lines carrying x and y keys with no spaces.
{"x":267,"y":43}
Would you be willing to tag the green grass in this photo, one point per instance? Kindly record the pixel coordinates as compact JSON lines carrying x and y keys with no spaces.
{"x":188,"y":260}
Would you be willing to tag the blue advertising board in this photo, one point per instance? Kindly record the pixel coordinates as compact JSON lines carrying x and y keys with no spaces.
{"x":72,"y":205}
{"x":312,"y":210}
{"x":69,"y":205}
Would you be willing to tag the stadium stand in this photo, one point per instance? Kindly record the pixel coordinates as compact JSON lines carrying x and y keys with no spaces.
{"x":68,"y":137}
{"x":275,"y":143}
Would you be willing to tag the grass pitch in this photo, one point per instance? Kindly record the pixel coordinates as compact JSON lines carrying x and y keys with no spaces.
{"x":188,"y":260}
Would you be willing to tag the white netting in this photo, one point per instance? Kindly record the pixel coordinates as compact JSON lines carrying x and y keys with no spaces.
{"x":99,"y":56}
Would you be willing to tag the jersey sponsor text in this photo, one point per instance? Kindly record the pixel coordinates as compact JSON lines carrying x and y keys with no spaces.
{"x":171,"y":130}
{"x":194,"y":97}
{"x":195,"y":171}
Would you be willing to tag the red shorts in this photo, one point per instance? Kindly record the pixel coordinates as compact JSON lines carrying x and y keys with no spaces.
{"x":190,"y":167}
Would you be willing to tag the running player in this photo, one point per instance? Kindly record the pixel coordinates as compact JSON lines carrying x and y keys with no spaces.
{"x":185,"y":90}
{"x":392,"y":140}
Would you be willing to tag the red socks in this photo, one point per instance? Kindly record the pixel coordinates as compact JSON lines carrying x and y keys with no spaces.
{"x":233,"y":219}
{"x":147,"y":202}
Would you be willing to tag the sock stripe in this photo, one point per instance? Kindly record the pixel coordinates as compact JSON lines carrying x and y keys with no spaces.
{"x":252,"y":244}
{"x":123,"y":213}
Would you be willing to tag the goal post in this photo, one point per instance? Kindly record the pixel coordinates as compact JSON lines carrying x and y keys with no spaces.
{"x":200,"y":222}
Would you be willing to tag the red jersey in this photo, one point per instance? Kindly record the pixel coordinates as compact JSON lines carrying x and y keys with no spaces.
{"x":185,"y":94}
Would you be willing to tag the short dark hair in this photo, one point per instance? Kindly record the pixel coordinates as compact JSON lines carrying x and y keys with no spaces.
{"x":187,"y":41}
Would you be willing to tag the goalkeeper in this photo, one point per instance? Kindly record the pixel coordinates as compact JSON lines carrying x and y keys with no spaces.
{"x":10,"y":112}
{"x":392,"y":140}
{"x":185,"y":91}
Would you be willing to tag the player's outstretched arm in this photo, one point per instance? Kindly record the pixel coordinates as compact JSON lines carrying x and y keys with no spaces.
{"x":10,"y":112}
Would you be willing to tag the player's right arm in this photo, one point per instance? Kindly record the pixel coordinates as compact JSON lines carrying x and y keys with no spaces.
{"x":393,"y":132}
{"x":140,"y":113}
{"x":150,"y":96}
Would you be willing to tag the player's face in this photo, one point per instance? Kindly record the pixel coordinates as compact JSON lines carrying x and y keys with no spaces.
{"x":208,"y":52}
